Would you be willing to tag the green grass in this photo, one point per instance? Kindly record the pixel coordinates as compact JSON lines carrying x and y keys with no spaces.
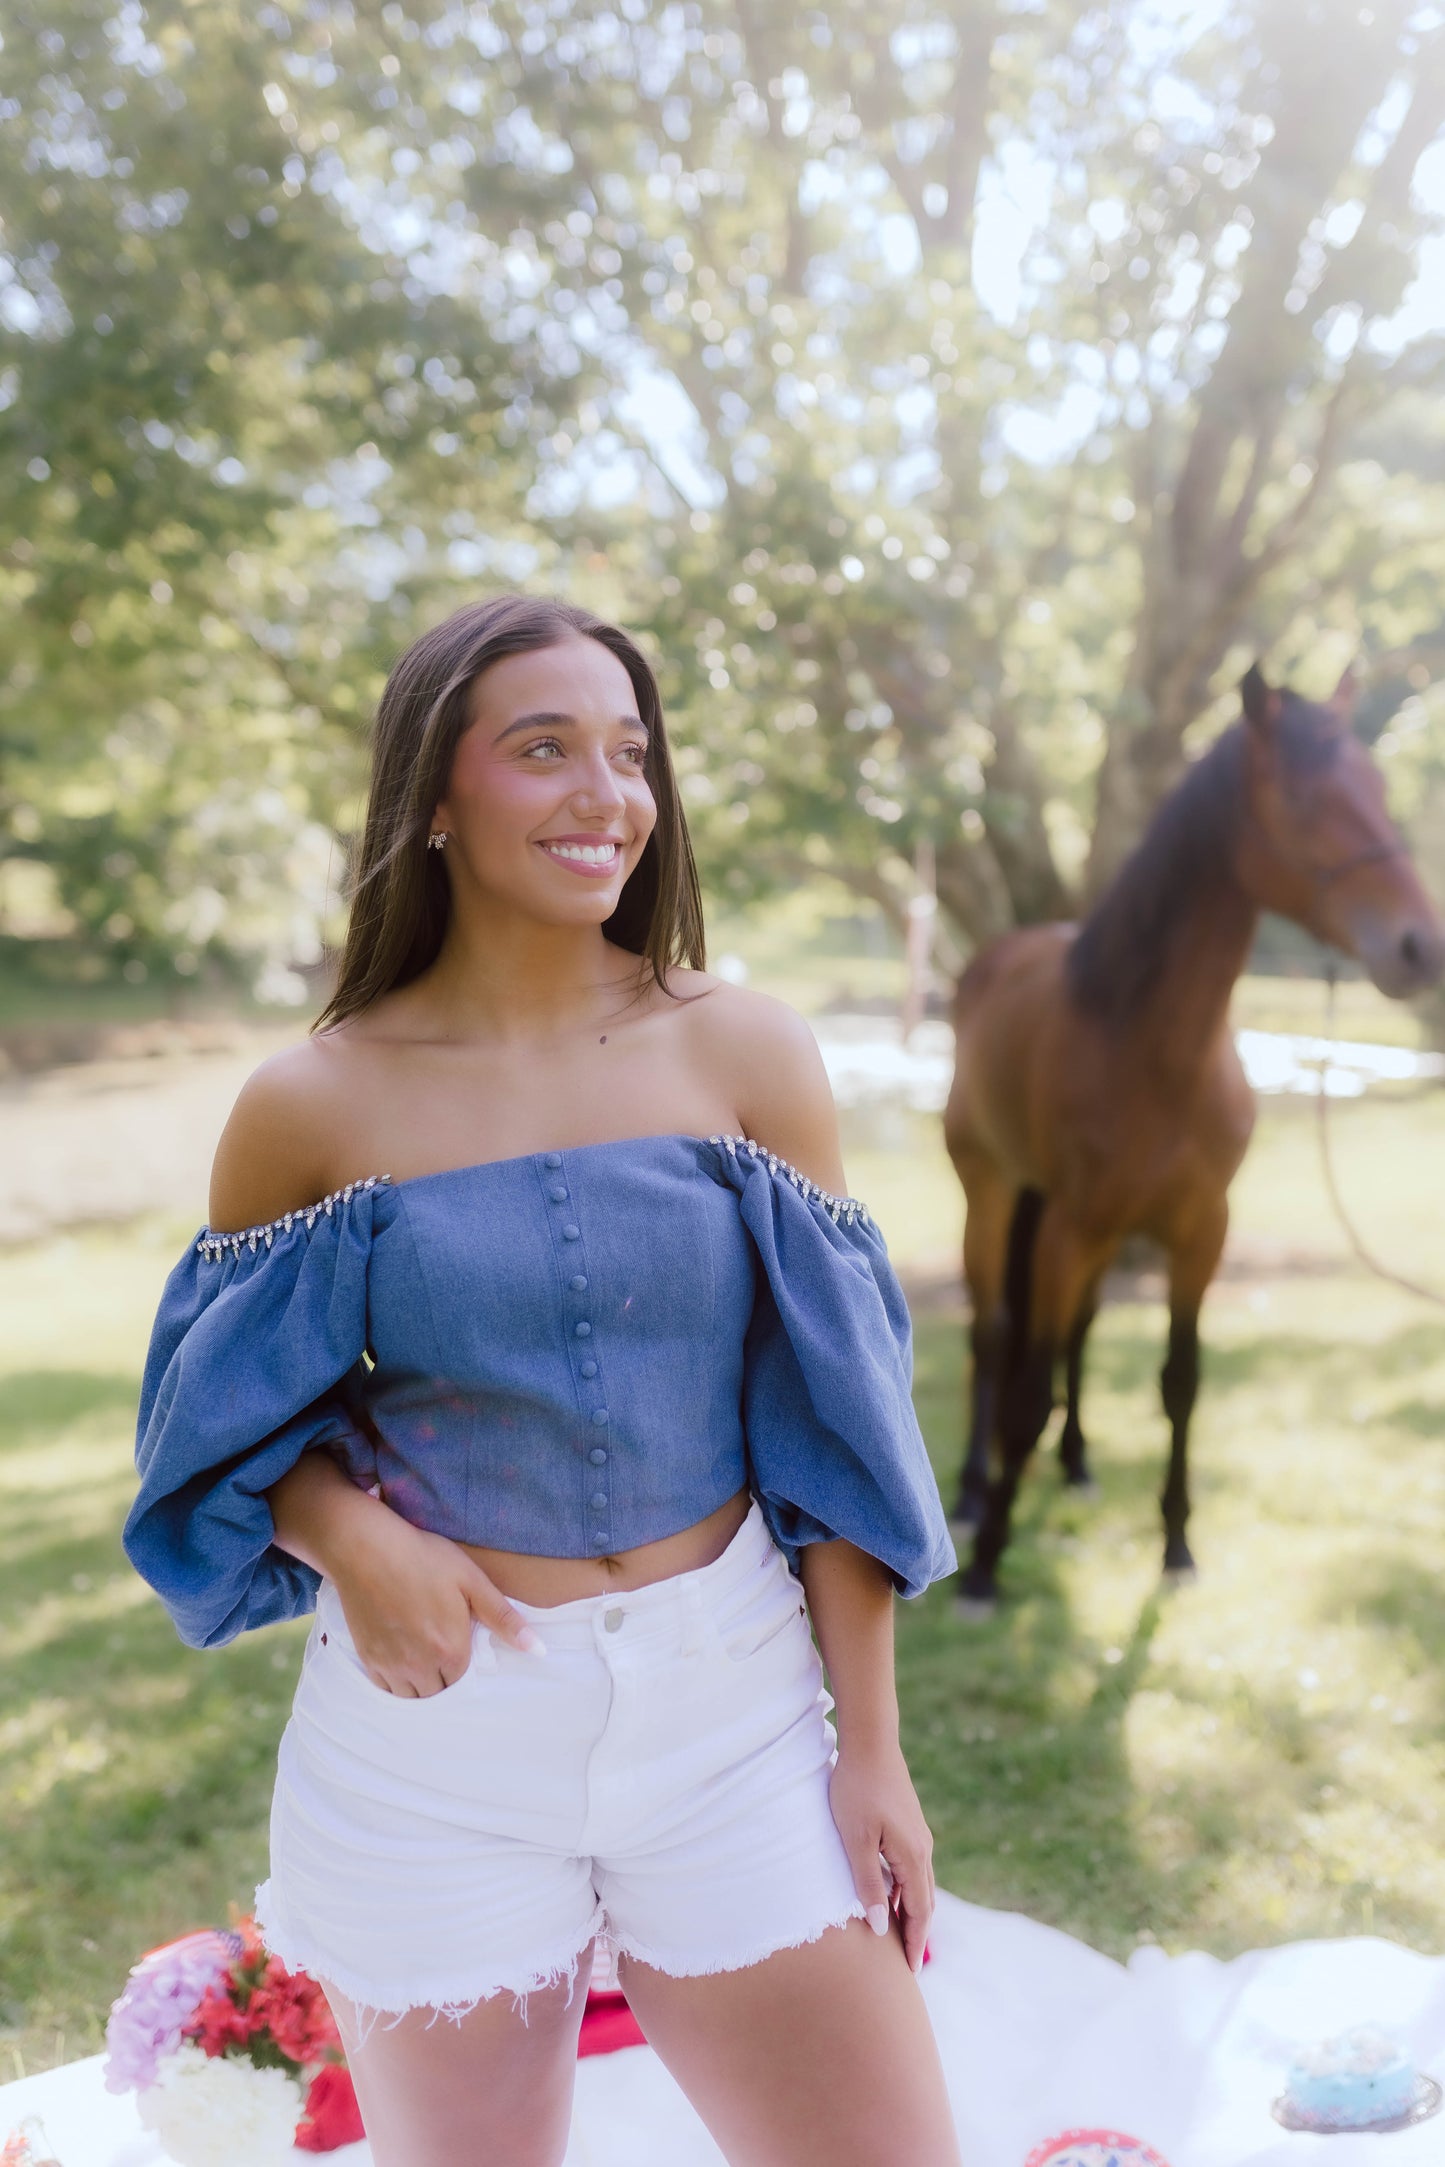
{"x":1258,"y":1757}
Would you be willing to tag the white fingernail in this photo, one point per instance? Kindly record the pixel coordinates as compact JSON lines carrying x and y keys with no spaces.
{"x":878,"y":1918}
{"x":530,"y":1643}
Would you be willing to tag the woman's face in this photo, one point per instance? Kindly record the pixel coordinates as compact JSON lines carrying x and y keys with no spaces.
{"x":547,"y":807}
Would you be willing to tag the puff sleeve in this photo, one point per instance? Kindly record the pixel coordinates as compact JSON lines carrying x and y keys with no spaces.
{"x":833,"y":1440}
{"x":255,"y":1358}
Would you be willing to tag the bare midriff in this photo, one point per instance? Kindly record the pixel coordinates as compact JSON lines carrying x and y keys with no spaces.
{"x":545,"y":1581}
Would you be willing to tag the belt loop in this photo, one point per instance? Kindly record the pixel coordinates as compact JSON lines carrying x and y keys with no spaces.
{"x":691,"y":1643}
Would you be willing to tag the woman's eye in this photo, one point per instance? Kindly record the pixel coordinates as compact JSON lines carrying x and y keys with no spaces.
{"x":637,"y":754}
{"x":542,"y":744}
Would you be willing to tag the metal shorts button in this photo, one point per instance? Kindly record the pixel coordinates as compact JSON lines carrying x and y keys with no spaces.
{"x":612,"y":1619}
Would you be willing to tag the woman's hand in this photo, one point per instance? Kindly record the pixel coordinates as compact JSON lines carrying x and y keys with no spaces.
{"x":877,"y":1812}
{"x":409,"y":1598}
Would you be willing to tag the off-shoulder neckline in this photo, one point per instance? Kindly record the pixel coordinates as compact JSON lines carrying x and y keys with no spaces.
{"x":212,"y":1245}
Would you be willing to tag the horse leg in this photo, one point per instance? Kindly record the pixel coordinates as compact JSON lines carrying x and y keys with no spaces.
{"x":990,"y":1201}
{"x":1192,"y":1264}
{"x":1050,"y":1270}
{"x":1073,"y":1454}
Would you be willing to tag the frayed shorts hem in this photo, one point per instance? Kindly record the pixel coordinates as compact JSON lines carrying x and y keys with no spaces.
{"x":452,"y":1998}
{"x":455,"y":1999}
{"x":675,"y":1967}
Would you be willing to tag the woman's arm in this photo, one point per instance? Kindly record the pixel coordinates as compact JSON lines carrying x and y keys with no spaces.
{"x":770,"y":1058}
{"x":850,"y":1598}
{"x":409,"y":1597}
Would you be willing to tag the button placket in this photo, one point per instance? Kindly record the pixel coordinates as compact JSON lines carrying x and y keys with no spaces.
{"x":595,"y":1466}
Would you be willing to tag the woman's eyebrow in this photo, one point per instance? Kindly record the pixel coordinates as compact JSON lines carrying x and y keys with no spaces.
{"x":544,"y":718}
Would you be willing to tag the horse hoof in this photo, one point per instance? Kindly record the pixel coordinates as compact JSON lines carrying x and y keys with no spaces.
{"x":1081,"y":1485}
{"x":975,"y":1609}
{"x":1181,"y":1576}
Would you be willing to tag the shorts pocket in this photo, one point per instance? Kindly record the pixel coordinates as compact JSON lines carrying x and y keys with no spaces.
{"x":761,"y":1625}
{"x":356,"y":1669}
{"x":335,"y":1650}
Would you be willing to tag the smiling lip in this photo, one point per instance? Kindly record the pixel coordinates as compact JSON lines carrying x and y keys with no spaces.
{"x":593,"y":856}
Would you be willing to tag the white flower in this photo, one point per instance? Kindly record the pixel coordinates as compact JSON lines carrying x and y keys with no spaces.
{"x":211,"y":2111}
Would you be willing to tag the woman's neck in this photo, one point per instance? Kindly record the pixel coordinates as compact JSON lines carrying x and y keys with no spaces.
{"x":520,"y":982}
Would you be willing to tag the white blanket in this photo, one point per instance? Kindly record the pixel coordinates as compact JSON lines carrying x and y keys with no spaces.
{"x":1039,"y":2035}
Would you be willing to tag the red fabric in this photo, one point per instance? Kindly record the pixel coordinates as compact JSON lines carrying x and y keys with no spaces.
{"x":607,"y":2024}
{"x":331,"y":2116}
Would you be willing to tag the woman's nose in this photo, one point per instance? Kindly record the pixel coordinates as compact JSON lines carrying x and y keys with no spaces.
{"x":599,"y":786}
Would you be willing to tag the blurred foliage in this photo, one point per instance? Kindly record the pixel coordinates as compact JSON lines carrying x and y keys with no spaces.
{"x":953,"y":394}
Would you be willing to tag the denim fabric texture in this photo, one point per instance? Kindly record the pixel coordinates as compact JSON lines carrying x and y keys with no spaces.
{"x":566,"y":1354}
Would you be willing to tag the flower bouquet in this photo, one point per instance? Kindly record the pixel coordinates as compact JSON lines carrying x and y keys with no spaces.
{"x":233,"y":2059}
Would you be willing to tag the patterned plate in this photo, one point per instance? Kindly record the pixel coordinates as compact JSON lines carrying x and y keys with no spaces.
{"x":1425,"y":2103}
{"x":1094,"y":2148}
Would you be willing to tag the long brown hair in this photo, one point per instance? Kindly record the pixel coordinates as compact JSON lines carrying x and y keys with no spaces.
{"x":400,"y":897}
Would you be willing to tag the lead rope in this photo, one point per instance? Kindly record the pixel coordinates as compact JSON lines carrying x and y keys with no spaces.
{"x":1322,"y":1101}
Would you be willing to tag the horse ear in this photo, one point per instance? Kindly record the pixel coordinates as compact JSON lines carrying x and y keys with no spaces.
{"x":1261,"y":702}
{"x":1346,"y":693}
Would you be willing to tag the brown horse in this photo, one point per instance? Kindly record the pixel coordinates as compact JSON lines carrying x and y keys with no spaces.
{"x":1097,"y":1092}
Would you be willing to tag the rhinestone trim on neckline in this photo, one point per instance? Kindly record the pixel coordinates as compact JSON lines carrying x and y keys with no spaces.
{"x":214,"y":1246}
{"x":846,"y":1208}
{"x":842,"y":1210}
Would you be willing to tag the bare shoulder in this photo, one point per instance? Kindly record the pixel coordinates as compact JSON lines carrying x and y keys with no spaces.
{"x":277,"y":1150}
{"x":764,"y":1054}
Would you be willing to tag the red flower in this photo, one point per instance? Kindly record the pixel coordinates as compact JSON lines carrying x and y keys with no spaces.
{"x":332,"y":2116}
{"x":219,"y":2024}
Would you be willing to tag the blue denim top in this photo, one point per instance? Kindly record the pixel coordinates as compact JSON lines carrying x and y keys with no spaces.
{"x":566,"y":1354}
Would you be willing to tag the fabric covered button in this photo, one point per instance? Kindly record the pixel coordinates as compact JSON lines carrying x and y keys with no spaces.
{"x":571,"y":1233}
{"x":599,"y":1501}
{"x":598,"y":1457}
{"x":599,"y":1414}
{"x":558,"y":1192}
{"x":577,"y":1282}
{"x":582,"y":1330}
{"x":612,"y":1619}
{"x":599,"y":1540}
{"x":588,"y":1369}
{"x":553,"y":1158}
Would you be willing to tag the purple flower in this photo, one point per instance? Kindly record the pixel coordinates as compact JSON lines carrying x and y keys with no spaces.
{"x":159,"y":2000}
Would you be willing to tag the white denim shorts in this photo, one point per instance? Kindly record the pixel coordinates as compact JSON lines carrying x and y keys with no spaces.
{"x":659,"y":1777}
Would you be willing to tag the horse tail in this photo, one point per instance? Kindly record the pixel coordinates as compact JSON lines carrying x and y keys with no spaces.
{"x":1018,"y":1277}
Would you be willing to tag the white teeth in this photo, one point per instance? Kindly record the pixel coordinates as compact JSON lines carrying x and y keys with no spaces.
{"x":584,"y":853}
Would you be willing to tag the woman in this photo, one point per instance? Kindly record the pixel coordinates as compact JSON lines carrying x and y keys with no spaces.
{"x":537,"y":1407}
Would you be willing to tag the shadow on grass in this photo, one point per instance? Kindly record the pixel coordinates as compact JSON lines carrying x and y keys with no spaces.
{"x":1015,"y":1727}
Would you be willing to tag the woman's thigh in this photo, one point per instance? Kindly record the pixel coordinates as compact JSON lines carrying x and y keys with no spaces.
{"x":817,"y":2057}
{"x":492,"y":2089}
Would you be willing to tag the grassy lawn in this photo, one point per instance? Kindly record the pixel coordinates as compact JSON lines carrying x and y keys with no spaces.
{"x":1255,"y":1758}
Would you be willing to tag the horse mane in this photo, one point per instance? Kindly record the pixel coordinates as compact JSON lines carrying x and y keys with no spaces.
{"x":1124,"y":945}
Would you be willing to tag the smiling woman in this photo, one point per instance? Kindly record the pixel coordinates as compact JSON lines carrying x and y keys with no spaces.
{"x":536,"y":1344}
{"x":459,"y":678}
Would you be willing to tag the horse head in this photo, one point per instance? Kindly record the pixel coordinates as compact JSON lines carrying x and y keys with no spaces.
{"x":1317,"y":844}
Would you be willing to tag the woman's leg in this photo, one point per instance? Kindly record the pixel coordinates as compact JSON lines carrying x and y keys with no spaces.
{"x":488,"y":2091}
{"x":817,"y":2057}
